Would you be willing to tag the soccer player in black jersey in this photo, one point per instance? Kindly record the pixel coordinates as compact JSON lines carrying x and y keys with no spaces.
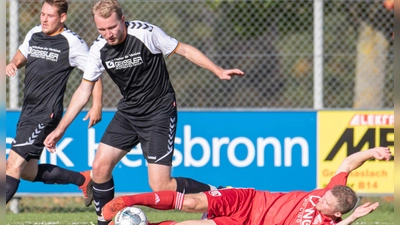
{"x":133,"y":53}
{"x":49,"y":53}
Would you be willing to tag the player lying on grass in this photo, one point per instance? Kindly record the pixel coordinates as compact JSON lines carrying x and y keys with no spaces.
{"x":246,"y":206}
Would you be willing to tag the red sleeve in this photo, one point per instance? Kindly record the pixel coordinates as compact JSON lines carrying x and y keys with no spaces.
{"x":338,"y":179}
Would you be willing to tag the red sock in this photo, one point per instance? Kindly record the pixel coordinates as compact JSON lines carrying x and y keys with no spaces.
{"x":168,"y":222}
{"x":157,"y":200}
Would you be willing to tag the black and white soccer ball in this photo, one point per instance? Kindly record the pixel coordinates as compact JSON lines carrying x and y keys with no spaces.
{"x":131,"y":216}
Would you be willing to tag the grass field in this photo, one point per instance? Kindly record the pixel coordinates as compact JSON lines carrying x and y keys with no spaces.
{"x":70,"y":210}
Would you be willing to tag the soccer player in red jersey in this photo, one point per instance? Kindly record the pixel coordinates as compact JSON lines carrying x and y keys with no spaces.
{"x":246,"y":206}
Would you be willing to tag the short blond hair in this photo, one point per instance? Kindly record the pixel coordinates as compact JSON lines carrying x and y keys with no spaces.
{"x":106,"y":7}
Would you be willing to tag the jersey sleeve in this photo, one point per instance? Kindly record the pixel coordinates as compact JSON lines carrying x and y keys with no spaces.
{"x":162,"y":41}
{"x":94,"y":67}
{"x":338,"y":179}
{"x":78,"y":53}
{"x":24,"y":47}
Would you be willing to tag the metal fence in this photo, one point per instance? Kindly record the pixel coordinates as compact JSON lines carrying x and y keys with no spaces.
{"x":297,"y":54}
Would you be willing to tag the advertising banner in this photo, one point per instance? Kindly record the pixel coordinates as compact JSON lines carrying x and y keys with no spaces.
{"x":273,"y":151}
{"x":342,"y":133}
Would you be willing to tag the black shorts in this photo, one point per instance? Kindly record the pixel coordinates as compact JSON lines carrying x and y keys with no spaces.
{"x":30,"y":135}
{"x":156,"y":135}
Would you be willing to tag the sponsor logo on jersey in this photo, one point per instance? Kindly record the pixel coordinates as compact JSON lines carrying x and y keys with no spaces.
{"x":125,"y":62}
{"x":46,"y":53}
{"x":308,"y":215}
{"x":110,"y":64}
{"x":215,"y":193}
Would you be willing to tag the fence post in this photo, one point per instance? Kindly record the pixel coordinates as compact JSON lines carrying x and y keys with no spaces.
{"x":318,"y":54}
{"x":13,"y":43}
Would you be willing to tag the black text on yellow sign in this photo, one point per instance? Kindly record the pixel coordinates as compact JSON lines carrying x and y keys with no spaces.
{"x":342,"y":133}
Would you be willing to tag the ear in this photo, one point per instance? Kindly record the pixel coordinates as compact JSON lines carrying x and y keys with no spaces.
{"x":338,"y":214}
{"x":63,"y":17}
{"x":123,"y":18}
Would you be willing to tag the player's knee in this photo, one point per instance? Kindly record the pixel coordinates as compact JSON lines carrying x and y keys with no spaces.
{"x":96,"y":166}
{"x":161,"y":186}
{"x":189,"y":204}
{"x":12,"y":169}
{"x":28,"y":175}
{"x":195,"y":203}
{"x":155,"y":187}
{"x":101,"y":171}
{"x":9,"y":166}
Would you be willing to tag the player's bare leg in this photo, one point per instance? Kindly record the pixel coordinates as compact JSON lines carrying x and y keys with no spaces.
{"x":14,"y":165}
{"x":103,"y":184}
{"x":160,"y":177}
{"x":195,"y":203}
{"x":104,"y":162}
{"x":30,"y":170}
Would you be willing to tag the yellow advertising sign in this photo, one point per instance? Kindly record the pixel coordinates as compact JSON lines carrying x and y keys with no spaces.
{"x":342,"y":133}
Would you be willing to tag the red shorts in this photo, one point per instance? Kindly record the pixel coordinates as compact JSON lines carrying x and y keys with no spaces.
{"x":231,"y":206}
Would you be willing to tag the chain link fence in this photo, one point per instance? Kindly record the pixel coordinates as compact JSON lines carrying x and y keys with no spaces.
{"x":273,"y":42}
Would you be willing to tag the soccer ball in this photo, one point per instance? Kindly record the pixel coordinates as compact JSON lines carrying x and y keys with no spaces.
{"x":131,"y":216}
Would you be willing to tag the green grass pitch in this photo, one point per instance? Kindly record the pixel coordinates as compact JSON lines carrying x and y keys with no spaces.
{"x":70,"y":210}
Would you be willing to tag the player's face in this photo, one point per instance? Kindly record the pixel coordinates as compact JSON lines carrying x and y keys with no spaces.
{"x":112,"y":28}
{"x":52,"y":22}
{"x":326,"y":204}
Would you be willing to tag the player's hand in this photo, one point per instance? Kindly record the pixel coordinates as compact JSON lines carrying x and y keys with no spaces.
{"x":382,"y":153}
{"x":227,"y":74}
{"x":11,"y":69}
{"x":52,"y":139}
{"x":94,"y":114}
{"x":389,"y":4}
{"x":364,"y":209}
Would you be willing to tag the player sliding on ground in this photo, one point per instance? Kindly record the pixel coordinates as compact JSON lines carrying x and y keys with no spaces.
{"x":246,"y":206}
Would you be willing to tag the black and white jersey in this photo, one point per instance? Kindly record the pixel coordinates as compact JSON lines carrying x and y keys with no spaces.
{"x":136,"y":65}
{"x":50,"y":60}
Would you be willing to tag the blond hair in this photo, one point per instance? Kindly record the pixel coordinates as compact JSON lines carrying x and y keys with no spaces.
{"x":105,"y":8}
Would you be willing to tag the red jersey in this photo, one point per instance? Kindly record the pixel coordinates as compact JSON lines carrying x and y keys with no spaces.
{"x":251,"y":207}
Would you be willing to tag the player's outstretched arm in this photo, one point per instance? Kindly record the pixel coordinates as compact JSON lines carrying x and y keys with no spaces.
{"x":355,"y":160}
{"x":78,"y":101}
{"x":95,"y":112}
{"x":17,"y":62}
{"x":359,"y":212}
{"x":198,"y":58}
